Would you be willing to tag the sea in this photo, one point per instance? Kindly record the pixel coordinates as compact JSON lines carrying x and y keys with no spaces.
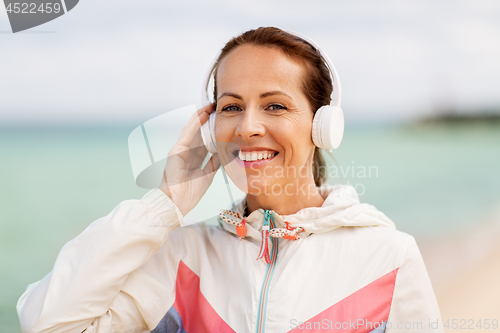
{"x":431,"y":180}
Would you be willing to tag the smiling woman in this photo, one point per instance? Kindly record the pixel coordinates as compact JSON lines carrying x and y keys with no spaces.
{"x":326,"y":262}
{"x":293,"y":58}
{"x":262,"y":109}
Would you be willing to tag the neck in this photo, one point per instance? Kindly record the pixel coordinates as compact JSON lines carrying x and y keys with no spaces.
{"x":284,"y":204}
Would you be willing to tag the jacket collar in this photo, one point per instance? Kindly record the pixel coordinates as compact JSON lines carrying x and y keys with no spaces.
{"x":341,"y":208}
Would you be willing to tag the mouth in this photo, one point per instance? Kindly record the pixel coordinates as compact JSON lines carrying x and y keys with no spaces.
{"x":254,"y":157}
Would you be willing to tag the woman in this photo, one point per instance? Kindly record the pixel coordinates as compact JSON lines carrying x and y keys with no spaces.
{"x":326,"y":262}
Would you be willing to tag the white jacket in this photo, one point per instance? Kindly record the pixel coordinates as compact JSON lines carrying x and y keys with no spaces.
{"x":136,"y":270}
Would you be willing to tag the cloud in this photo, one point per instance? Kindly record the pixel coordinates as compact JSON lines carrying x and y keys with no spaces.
{"x":126,"y":61}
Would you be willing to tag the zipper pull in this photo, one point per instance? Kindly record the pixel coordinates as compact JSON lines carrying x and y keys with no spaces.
{"x":264,"y":247}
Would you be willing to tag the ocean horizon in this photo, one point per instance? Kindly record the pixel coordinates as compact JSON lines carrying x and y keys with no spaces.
{"x":430,"y":180}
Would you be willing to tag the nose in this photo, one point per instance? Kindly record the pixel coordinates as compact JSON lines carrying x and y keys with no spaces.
{"x":251,"y":125}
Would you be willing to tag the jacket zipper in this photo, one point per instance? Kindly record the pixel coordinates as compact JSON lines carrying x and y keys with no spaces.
{"x":264,"y":293}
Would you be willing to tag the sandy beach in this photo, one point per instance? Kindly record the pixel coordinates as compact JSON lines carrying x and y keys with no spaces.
{"x":465,"y":272}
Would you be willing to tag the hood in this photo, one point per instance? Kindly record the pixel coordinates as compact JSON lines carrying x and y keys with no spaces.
{"x":340,"y":209}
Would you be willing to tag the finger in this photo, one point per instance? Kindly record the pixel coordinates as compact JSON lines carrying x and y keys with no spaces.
{"x":207,"y":109}
{"x":194,"y":157}
{"x":204,"y":112}
{"x":189,"y":132}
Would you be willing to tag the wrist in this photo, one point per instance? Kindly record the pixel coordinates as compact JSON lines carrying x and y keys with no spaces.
{"x":166,"y":190}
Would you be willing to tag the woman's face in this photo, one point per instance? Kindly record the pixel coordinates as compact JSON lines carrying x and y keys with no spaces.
{"x":264,"y":115}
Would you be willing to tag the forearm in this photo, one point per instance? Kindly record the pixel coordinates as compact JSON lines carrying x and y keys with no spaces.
{"x":91,"y":269}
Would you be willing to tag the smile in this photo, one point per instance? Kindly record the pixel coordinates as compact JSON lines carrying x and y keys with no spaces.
{"x":256,"y":155}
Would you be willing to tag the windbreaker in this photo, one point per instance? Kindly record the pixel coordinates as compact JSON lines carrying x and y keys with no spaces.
{"x":341,"y":267}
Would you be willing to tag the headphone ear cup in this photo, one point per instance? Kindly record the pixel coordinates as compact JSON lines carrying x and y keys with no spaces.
{"x":208,"y":134}
{"x":328,"y":127}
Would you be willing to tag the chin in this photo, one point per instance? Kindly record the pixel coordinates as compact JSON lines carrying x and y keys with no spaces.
{"x":257,"y":186}
{"x":249,"y":184}
{"x":265,"y":186}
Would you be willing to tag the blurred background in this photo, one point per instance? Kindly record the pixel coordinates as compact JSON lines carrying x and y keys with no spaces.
{"x":421,"y":97}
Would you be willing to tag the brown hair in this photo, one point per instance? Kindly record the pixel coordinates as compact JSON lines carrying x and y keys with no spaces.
{"x":316,"y":85}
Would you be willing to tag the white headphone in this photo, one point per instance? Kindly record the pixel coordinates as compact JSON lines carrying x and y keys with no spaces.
{"x":328,"y":122}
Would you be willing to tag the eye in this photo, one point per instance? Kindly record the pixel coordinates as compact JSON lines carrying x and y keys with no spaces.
{"x":276,"y":107}
{"x":231,"y":108}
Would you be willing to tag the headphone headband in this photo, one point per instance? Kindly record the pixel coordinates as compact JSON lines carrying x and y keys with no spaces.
{"x":336,"y":92}
{"x":336,"y":95}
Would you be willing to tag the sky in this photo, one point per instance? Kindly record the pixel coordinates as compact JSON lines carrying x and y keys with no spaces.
{"x":124,"y":62}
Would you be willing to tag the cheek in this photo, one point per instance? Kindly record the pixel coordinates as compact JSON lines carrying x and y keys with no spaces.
{"x":296,"y":144}
{"x":297,"y":131}
{"x":223,"y":130}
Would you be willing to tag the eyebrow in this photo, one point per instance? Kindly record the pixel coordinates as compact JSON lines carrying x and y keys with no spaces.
{"x":231,"y":95}
{"x":264,"y":95}
{"x":272,"y":93}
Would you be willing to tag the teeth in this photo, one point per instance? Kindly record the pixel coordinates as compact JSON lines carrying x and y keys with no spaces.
{"x":254,"y":156}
